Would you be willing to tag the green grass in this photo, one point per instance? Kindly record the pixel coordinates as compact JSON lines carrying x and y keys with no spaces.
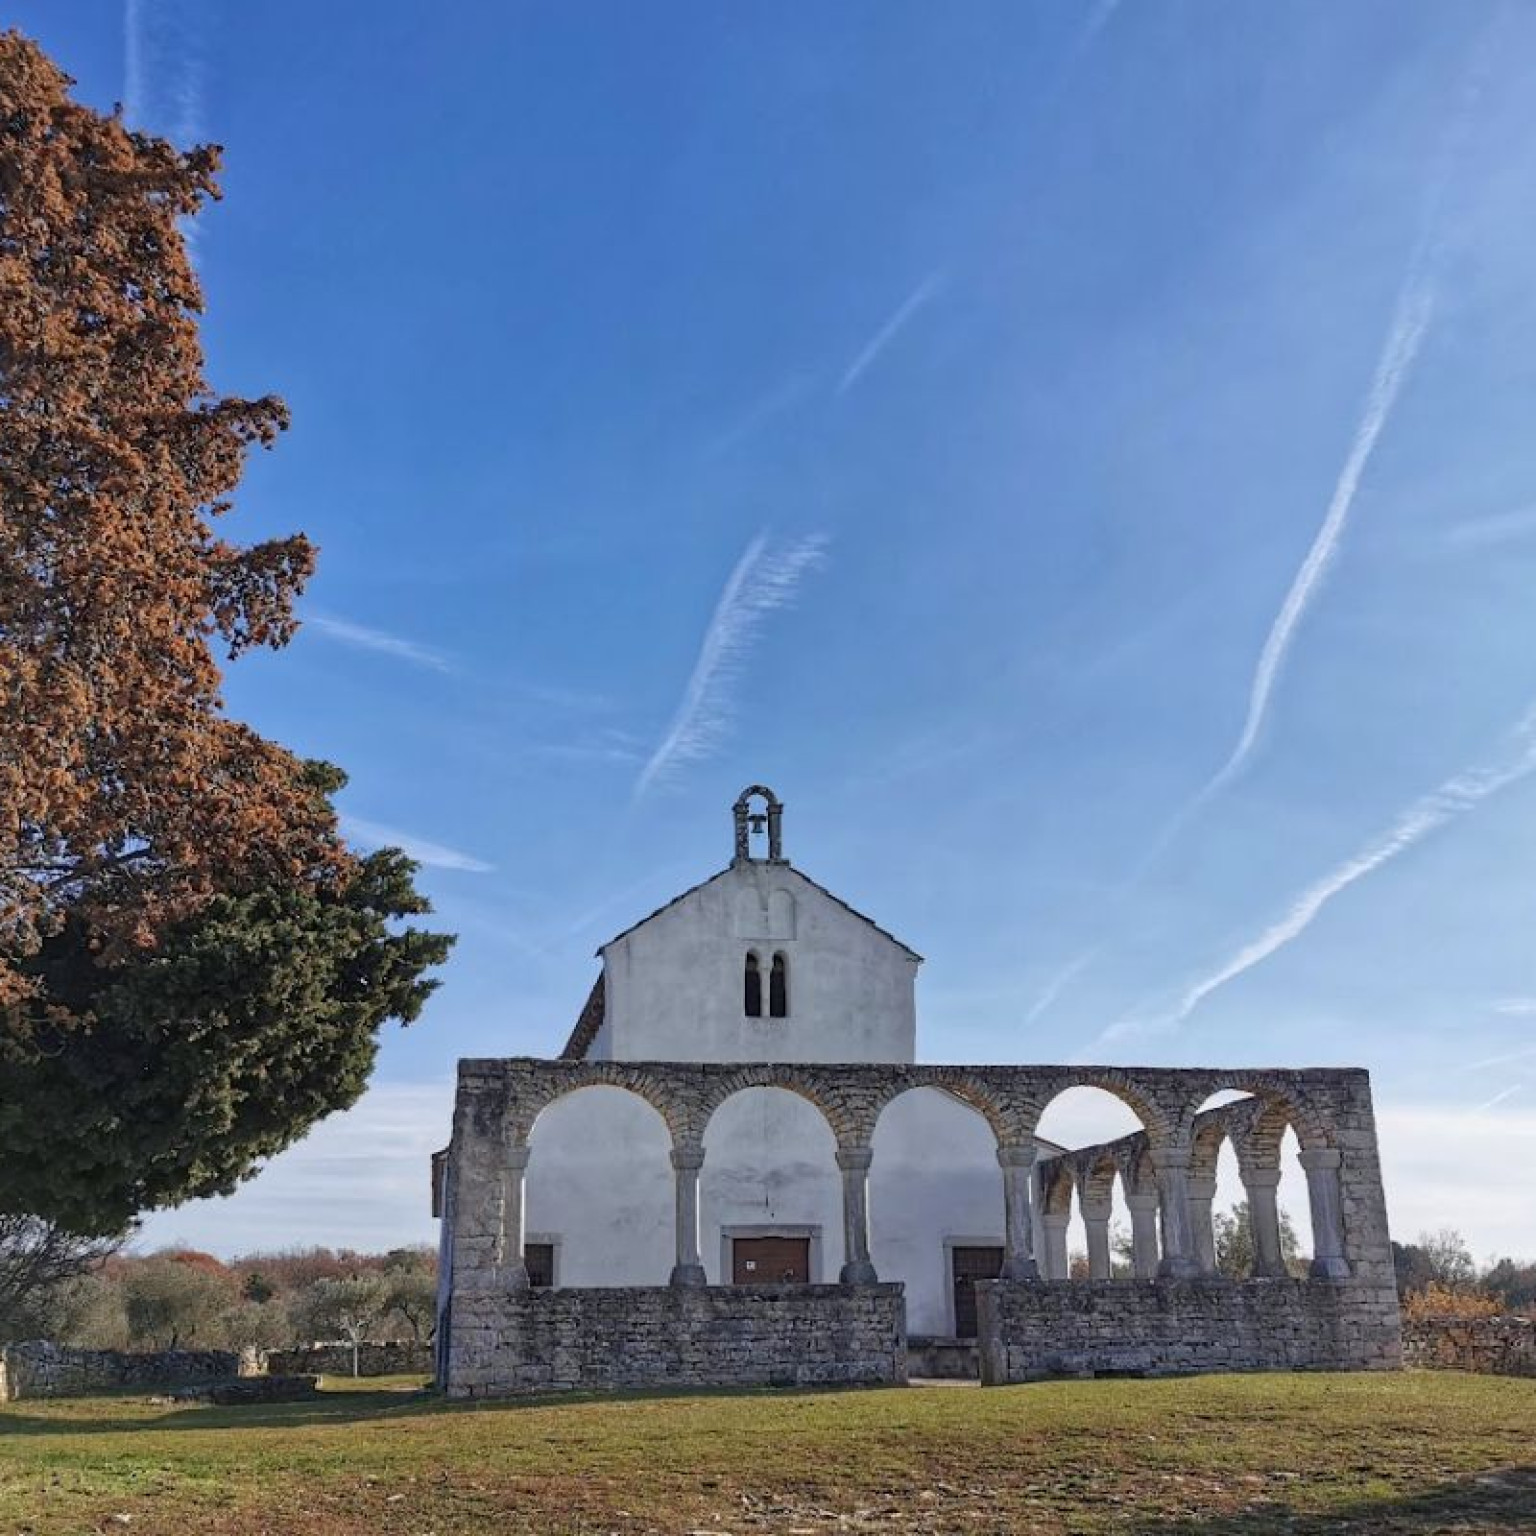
{"x":1217,"y":1456}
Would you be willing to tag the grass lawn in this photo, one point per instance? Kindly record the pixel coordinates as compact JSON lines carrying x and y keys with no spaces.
{"x":1220,"y":1456}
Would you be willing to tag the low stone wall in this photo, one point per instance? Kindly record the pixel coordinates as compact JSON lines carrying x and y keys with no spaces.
{"x":1494,"y":1346}
{"x":41,"y":1369}
{"x":252,"y":1389}
{"x":400,"y":1359}
{"x":662,"y":1336}
{"x":1032,"y":1330}
{"x":941,"y":1359}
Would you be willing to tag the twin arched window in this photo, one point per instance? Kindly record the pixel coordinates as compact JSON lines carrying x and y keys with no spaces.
{"x":778,"y":986}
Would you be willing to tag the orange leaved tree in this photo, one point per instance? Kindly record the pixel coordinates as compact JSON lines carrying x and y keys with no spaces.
{"x":127,"y":796}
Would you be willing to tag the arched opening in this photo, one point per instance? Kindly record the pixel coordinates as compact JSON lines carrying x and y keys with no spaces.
{"x":778,"y":986}
{"x":936,"y":1208}
{"x":1247,"y":1190}
{"x":770,"y":1193}
{"x":1077,"y":1118}
{"x":599,"y":1200}
{"x":752,"y":987}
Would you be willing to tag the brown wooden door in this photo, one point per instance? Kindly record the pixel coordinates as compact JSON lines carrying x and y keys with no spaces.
{"x":967,"y":1266}
{"x":770,"y":1261}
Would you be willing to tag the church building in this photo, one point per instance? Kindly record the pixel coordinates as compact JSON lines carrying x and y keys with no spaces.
{"x":738,"y":1172}
{"x":759,"y":963}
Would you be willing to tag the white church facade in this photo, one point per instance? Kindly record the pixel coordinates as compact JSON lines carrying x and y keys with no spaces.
{"x":759,"y":963}
{"x":738,"y":1172}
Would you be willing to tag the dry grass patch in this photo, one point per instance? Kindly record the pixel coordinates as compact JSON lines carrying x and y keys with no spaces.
{"x":1217,"y":1456}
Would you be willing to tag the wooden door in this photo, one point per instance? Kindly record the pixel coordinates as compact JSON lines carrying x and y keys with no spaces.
{"x":967,"y":1266}
{"x":770,"y":1261}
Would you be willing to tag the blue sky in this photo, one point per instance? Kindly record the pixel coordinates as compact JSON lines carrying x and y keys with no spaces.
{"x":1078,"y":453}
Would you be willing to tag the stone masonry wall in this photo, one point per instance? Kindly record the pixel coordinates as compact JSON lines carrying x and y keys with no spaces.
{"x":1494,"y":1346}
{"x":1028,"y":1331}
{"x":394,"y":1359}
{"x":661,"y":1336}
{"x":42,"y":1369}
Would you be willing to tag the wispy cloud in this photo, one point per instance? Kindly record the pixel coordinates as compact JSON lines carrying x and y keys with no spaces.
{"x":773,"y":403}
{"x":1399,"y":352}
{"x":763,"y":581}
{"x":163,"y":68}
{"x":1501,"y":528}
{"x":888,"y":332}
{"x":361,"y":638}
{"x":374,"y":834}
{"x":1499,"y":1098}
{"x":1459,"y":794}
{"x":1410,"y":320}
{"x":1453,"y":799}
{"x":1097,"y":19}
{"x":133,"y":62}
{"x":1059,"y":982}
{"x":1516,"y":1007}
{"x":605,"y":746}
{"x":1502,"y":1059}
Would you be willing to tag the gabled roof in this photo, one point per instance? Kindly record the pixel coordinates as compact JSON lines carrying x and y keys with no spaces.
{"x":782,"y":864}
{"x":588,"y":1022}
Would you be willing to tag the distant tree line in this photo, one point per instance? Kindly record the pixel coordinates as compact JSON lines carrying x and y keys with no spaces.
{"x":180,"y":1298}
{"x":1438,"y":1277}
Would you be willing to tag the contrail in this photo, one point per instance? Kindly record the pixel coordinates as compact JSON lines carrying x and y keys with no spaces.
{"x":1059,"y":983}
{"x":762,"y":582}
{"x":133,"y":62}
{"x":1452,"y":800}
{"x":1394,"y":364}
{"x":1499,"y":1098}
{"x":1098,"y":18}
{"x":361,"y":637}
{"x":374,"y":834}
{"x":1404,"y":336}
{"x":888,"y":332}
{"x":1502,"y":1059}
{"x":163,"y":40}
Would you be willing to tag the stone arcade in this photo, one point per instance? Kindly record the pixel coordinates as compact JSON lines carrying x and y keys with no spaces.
{"x":738,"y":1173}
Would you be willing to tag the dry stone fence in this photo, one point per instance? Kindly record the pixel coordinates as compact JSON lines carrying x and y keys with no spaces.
{"x":41,"y":1368}
{"x":496,"y":1336}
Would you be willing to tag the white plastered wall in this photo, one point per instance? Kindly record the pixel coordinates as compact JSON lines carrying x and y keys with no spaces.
{"x":600,"y":1183}
{"x":674,"y":984}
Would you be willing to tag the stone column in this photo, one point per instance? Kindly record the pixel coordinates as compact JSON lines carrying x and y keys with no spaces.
{"x":1201,"y":1193}
{"x":1264,"y":1222}
{"x":512,"y":1270}
{"x":1143,"y":1210}
{"x":1096,"y":1219}
{"x":687,"y":1159}
{"x":1055,"y":1225}
{"x":1322,"y":1167}
{"x":1017,"y":1160}
{"x":857,"y":1269}
{"x":1172,"y":1167}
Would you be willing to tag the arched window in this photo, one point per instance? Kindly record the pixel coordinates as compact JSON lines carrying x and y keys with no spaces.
{"x":753,"y":988}
{"x":778,"y":987}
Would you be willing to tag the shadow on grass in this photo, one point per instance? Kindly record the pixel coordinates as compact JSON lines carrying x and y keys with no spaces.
{"x":1500,"y":1500}
{"x":351,"y":1406}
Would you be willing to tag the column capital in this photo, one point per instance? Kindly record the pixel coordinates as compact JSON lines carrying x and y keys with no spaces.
{"x":516,"y":1155}
{"x":1095,"y":1210}
{"x":852,"y":1157}
{"x":1058,"y":1220}
{"x":1202,"y":1189}
{"x":687,"y":1155}
{"x":1320,"y":1157}
{"x":1017,"y":1154}
{"x":1142,"y":1202}
{"x":1260,"y":1178}
{"x":1173,"y":1156}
